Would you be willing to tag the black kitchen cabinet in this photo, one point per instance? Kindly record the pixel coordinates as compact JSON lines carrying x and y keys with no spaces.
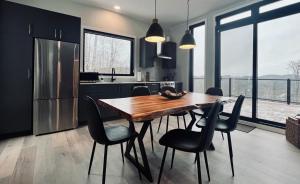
{"x":147,"y":53}
{"x":169,"y":49}
{"x":56,"y":26}
{"x":126,"y":90}
{"x":103,"y":91}
{"x":19,"y":25}
{"x":16,"y":60}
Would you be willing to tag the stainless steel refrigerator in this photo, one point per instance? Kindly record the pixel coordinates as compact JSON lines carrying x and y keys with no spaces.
{"x":56,"y":75}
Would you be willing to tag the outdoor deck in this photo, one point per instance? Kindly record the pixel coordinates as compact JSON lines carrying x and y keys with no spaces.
{"x":269,"y":110}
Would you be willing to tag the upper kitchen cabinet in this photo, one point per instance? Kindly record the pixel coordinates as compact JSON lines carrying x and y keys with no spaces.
{"x":147,"y":53}
{"x":56,"y":26}
{"x":169,"y":49}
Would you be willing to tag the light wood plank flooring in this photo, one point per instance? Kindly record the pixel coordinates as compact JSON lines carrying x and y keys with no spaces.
{"x":62,"y":158}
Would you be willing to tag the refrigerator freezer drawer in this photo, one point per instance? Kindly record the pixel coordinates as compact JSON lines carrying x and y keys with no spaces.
{"x":54,"y":115}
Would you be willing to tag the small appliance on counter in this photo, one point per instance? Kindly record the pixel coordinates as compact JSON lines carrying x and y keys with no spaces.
{"x":89,"y":77}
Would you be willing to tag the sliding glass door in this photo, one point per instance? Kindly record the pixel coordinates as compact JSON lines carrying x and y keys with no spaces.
{"x":258,"y":55}
{"x":278,"y":68}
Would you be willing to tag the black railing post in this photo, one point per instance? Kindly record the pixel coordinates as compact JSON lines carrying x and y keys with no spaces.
{"x":288,"y":99}
{"x":229,"y":86}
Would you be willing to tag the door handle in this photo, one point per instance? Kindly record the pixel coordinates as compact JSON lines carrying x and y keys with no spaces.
{"x":60,"y":34}
{"x":28,"y":73}
{"x":29,"y":29}
{"x":55,"y":33}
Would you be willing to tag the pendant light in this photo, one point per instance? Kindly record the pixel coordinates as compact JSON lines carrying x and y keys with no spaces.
{"x":155,"y":32}
{"x":187,"y":41}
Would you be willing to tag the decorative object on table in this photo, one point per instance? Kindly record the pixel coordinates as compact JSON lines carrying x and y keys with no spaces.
{"x":187,"y":41}
{"x":292,"y":131}
{"x":172,"y":96}
{"x":155,"y":32}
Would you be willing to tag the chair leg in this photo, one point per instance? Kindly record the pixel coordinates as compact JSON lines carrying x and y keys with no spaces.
{"x":159,"y":124}
{"x":195,"y":161}
{"x":178,"y":121}
{"x":151,"y":134}
{"x":167,"y":127}
{"x":184,"y":121}
{"x":173,"y":155}
{"x":206,"y":164}
{"x":122,"y":152}
{"x":137,"y":161}
{"x":222,"y":135}
{"x":162,"y":164}
{"x":199,"y":168}
{"x":92,"y":157}
{"x":104,"y":164}
{"x":230,"y":152}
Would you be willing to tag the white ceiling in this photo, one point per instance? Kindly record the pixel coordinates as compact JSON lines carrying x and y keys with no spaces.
{"x":169,"y":12}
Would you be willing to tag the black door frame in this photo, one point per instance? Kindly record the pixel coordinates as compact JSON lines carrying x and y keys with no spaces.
{"x":191,"y":63}
{"x":254,"y":20}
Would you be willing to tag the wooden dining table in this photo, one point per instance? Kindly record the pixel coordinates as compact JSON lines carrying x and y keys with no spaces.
{"x":146,"y":108}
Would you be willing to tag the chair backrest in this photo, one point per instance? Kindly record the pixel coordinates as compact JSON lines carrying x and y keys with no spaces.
{"x":141,"y":91}
{"x":165,"y":88}
{"x":207,"y":133}
{"x":214,"y":91}
{"x":95,"y":122}
{"x":235,"y":115}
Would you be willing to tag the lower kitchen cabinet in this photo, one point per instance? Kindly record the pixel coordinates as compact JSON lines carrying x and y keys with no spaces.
{"x":106,"y":91}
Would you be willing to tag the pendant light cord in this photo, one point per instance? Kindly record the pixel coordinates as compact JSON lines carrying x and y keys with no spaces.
{"x":188,"y":13}
{"x":155,"y":9}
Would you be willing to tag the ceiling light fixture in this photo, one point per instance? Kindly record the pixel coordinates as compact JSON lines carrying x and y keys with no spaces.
{"x":116,"y":7}
{"x":155,"y":32}
{"x":187,"y":41}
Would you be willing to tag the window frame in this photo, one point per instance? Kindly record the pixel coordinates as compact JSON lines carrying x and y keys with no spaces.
{"x":191,"y":67}
{"x":111,"y":35}
{"x":255,"y":19}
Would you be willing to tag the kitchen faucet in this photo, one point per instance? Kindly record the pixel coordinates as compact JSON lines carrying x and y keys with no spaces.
{"x":113,"y":73}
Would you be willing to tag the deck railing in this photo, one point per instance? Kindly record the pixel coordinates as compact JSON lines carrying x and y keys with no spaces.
{"x":281,"y":90}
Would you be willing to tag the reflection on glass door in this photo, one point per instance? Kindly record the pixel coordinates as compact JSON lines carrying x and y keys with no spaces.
{"x":237,"y":66}
{"x":279,"y":68}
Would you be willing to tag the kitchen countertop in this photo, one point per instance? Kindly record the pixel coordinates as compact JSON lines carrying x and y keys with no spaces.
{"x":142,"y":82}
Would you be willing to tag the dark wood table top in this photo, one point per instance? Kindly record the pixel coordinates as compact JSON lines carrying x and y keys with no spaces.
{"x":144,"y":108}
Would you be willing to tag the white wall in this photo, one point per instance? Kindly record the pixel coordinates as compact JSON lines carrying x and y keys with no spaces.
{"x":97,"y":19}
{"x":176,"y":33}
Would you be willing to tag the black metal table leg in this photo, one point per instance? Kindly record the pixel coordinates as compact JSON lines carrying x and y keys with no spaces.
{"x":144,"y":167}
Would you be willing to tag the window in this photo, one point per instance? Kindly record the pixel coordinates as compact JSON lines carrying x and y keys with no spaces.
{"x":199,"y":58}
{"x":276,"y":5}
{"x":236,"y":17}
{"x":105,"y":51}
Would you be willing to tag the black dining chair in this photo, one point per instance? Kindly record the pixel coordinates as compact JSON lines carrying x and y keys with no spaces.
{"x":107,"y":136}
{"x":189,"y":141}
{"x":228,"y":125}
{"x":214,"y":92}
{"x":177,"y":115}
{"x":143,"y":91}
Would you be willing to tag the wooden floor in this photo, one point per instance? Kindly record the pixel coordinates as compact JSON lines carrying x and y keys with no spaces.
{"x":259,"y":156}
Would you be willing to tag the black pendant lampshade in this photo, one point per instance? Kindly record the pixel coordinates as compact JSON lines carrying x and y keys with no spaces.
{"x":155,"y":32}
{"x":187,"y":41}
